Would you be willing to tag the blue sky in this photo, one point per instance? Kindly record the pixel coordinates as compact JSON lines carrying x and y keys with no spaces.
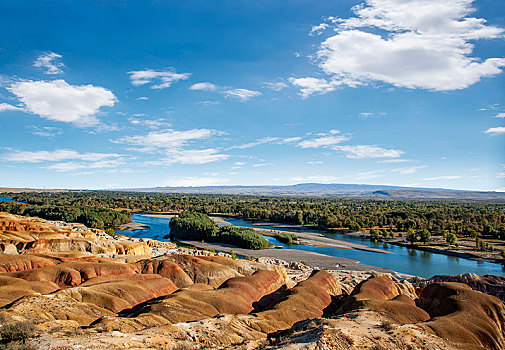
{"x":101,"y":94}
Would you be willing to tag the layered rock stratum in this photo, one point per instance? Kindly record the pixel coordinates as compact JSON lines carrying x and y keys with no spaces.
{"x":82,"y":289}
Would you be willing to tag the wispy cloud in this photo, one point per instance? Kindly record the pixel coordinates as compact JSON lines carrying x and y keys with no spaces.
{"x":189,"y":156}
{"x":44,"y":131}
{"x":164,"y":78}
{"x":5,"y":107}
{"x":278,"y":86}
{"x":500,"y":115}
{"x":322,"y":141}
{"x":409,"y":170}
{"x":194,"y":181}
{"x":55,"y":156}
{"x":445,"y":177}
{"x":50,"y":63}
{"x":368,"y":151}
{"x":242,"y":94}
{"x":77,"y":166}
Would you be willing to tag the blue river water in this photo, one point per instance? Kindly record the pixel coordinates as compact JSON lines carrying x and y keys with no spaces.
{"x":410,"y":261}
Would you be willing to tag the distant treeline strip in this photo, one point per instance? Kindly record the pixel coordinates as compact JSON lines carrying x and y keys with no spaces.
{"x":464,"y":218}
{"x":90,"y":216}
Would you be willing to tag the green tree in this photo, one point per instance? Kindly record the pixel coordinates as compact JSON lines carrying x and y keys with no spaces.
{"x":451,"y":238}
{"x":425,"y":236}
{"x":411,"y":236}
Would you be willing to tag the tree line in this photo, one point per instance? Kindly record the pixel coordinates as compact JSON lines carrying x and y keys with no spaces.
{"x":462,"y":218}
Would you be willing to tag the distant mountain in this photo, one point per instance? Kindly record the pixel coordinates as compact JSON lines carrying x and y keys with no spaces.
{"x":332,"y":190}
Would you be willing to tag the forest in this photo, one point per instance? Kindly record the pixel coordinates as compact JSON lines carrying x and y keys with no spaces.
{"x":462,"y":218}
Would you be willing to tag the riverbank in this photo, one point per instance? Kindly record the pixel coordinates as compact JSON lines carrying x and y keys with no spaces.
{"x":133,"y":226}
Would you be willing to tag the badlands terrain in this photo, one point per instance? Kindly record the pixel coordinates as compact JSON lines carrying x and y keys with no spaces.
{"x":64,"y":286}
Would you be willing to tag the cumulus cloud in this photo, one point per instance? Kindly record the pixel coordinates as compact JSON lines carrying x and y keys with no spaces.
{"x":309,"y":86}
{"x":49,"y":62}
{"x":242,"y":94}
{"x":59,"y":101}
{"x":5,"y":107}
{"x":496,"y":131}
{"x":423,"y":44}
{"x":56,"y":156}
{"x":203,"y":86}
{"x":163,"y":78}
{"x":367,"y":151}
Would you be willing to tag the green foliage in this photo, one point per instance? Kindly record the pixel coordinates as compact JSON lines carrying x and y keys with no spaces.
{"x":242,"y":237}
{"x":192,"y":226}
{"x":199,"y":226}
{"x":90,"y":216}
{"x":425,"y":236}
{"x":233,"y":255}
{"x":411,"y":236}
{"x":451,"y":238}
{"x":502,"y":253}
{"x":110,"y":231}
{"x":470,"y":218}
{"x":285,"y":237}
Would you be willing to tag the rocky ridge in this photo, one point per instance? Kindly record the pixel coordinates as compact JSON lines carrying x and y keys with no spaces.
{"x":82,"y":289}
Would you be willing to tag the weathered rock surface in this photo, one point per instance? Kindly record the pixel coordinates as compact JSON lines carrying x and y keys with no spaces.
{"x":84,"y":289}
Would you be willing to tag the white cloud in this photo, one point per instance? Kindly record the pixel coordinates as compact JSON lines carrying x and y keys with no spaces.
{"x":368,"y":151}
{"x":203,"y":86}
{"x":149,"y":123}
{"x":165,"y":78}
{"x":447,"y":177}
{"x":55,"y":156}
{"x":410,"y":170}
{"x":191,"y":156}
{"x":44,"y":131}
{"x":422,"y":44}
{"x":74,"y":166}
{"x":208,"y":103}
{"x":256,"y":143}
{"x":194,"y":181}
{"x":49,"y":62}
{"x":322,"y":141}
{"x":5,"y":107}
{"x":315,"y":178}
{"x":315,"y":162}
{"x":392,"y":161}
{"x":167,"y":139}
{"x":276,"y":86}
{"x":496,"y":131}
{"x":309,"y":86}
{"x":319,"y":29}
{"x":143,"y":98}
{"x":242,"y":94}
{"x":501,"y":115}
{"x":57,"y":100}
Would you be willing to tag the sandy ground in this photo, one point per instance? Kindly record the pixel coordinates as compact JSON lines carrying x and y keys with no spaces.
{"x":133,"y":226}
{"x":312,"y":259}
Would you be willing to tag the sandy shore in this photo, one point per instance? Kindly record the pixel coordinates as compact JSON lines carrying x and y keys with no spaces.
{"x":133,"y":226}
{"x":310,"y":258}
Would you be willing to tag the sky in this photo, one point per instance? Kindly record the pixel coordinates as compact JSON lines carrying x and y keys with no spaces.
{"x":120,"y":94}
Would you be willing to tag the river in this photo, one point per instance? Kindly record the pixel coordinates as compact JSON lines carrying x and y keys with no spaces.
{"x":410,"y":261}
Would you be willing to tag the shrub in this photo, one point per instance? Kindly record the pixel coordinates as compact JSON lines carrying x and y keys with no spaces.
{"x":17,"y":331}
{"x":285,"y":237}
{"x":242,"y":237}
{"x":192,"y":226}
